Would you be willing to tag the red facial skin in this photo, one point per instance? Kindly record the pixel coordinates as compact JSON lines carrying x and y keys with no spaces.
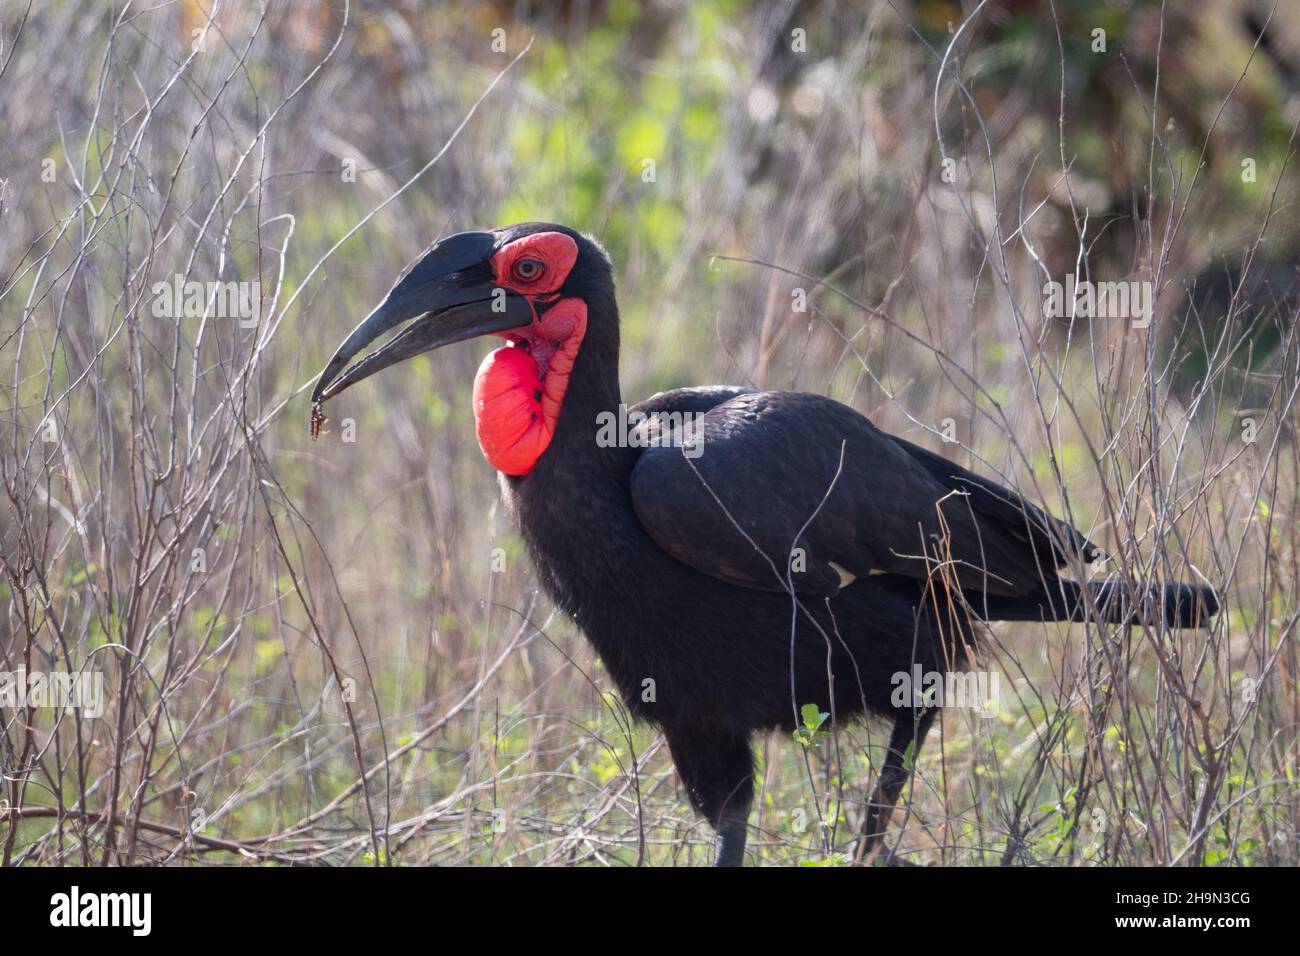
{"x":519,"y":388}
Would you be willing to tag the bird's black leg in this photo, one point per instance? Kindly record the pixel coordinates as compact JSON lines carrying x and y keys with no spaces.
{"x":909,"y":731}
{"x":730,"y":842}
{"x":719,"y":776}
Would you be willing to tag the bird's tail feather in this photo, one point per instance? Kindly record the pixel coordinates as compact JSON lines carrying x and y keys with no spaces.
{"x":1176,"y":605}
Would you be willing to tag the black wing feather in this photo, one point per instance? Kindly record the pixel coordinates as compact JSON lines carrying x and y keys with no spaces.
{"x":767,"y":464}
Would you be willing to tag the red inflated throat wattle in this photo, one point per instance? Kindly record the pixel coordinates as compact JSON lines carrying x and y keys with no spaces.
{"x":520,"y":387}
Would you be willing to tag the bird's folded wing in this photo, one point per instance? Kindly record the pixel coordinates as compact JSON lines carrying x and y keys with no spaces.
{"x":772,"y":489}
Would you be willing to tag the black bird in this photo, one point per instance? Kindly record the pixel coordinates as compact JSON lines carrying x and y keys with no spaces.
{"x":739,"y":554}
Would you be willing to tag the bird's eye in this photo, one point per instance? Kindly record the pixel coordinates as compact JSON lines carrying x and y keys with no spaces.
{"x":526,"y":270}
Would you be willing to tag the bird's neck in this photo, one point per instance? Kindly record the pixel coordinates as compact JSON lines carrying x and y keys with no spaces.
{"x":591,"y":391}
{"x":575,"y":503}
{"x":548,"y":384}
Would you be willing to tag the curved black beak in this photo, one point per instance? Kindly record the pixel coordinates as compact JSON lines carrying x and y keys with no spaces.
{"x":452,"y":297}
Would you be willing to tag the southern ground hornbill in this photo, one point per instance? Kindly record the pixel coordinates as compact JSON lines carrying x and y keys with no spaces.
{"x":747,"y":552}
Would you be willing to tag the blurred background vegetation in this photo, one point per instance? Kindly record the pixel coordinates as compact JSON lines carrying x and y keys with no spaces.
{"x":349,"y":604}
